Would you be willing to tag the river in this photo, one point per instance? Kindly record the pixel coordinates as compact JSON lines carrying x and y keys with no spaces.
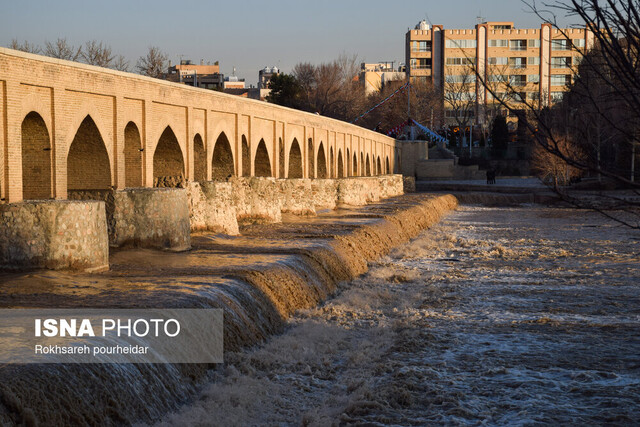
{"x":494,"y":316}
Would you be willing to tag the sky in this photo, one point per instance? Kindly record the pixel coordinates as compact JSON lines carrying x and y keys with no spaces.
{"x":248,"y":34}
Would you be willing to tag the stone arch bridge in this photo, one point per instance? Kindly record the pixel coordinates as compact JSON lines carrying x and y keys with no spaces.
{"x":81,"y":148}
{"x":66,"y":127}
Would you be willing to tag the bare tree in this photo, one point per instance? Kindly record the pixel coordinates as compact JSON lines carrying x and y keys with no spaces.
{"x":97,"y":53}
{"x":61,"y":49}
{"x":153,"y":64}
{"x":460,"y":94}
{"x":120,"y":64}
{"x":25,"y":47}
{"x":606,"y":88}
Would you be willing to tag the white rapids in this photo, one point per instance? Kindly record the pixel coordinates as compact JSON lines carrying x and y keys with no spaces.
{"x":494,"y":316}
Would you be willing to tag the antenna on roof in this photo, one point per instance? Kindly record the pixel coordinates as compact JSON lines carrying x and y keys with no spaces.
{"x":426,"y":16}
{"x":480,"y":18}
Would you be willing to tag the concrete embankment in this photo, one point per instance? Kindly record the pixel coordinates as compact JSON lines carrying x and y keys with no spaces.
{"x":259,"y":278}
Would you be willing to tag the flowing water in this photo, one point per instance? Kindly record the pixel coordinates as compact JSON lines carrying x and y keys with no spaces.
{"x":496,"y":316}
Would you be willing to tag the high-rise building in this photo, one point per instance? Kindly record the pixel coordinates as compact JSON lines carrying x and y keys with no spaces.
{"x":539,"y":63}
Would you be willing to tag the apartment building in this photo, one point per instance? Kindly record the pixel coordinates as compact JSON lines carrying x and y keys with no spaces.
{"x":534,"y":65}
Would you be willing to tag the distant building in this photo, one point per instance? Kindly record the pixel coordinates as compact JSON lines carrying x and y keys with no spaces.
{"x":539,"y":62}
{"x":233,"y":82}
{"x":265,"y":75}
{"x":374,"y":77}
{"x":202,"y":76}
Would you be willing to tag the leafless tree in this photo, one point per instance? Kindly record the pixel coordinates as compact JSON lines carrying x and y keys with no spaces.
{"x":460,"y":93}
{"x":61,"y":49}
{"x":120,"y":63}
{"x":606,"y":89}
{"x":25,"y":47}
{"x":153,"y":64}
{"x":97,"y":53}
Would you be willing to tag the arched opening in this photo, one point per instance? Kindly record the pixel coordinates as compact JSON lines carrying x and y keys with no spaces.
{"x":222,"y":160}
{"x":132,"y":156}
{"x":88,"y":166}
{"x":340,"y":165}
{"x":199,"y":159}
{"x":280,"y":158}
{"x":332,"y":168}
{"x":368,"y":167}
{"x":363,"y":169}
{"x":262,"y":165}
{"x":246,"y":157}
{"x":311,"y":163}
{"x":355,"y":165}
{"x":349,"y":167}
{"x":167,"y":159}
{"x":322,"y":162}
{"x":378,"y":167}
{"x":36,"y":158}
{"x":295,"y":160}
{"x":387,"y":170}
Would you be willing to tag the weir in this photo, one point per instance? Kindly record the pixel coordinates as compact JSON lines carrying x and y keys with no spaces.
{"x":259,"y":278}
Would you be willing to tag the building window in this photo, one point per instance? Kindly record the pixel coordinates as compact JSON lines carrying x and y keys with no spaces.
{"x":499,"y":60}
{"x":518,"y":80}
{"x":557,"y":96}
{"x":518,"y":45}
{"x":561,"y":62}
{"x":534,"y":42}
{"x":578,"y":42}
{"x":420,"y":63}
{"x":460,"y":44}
{"x":498,"y":78}
{"x":518,"y":62}
{"x":533,"y":60}
{"x":560,"y":79}
{"x":533,"y":78}
{"x":422,"y":46}
{"x":498,"y":43}
{"x":560,"y":44}
{"x":460,"y":61}
{"x":533,"y":96}
{"x":460,"y":78}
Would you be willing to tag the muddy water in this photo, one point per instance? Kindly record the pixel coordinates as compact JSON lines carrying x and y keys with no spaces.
{"x":499,"y":316}
{"x":259,"y":279}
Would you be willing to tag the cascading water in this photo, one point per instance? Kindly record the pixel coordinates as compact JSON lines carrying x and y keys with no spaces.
{"x":260,"y":279}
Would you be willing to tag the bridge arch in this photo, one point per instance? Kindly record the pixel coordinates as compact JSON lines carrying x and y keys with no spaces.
{"x":280,"y":158}
{"x":349,"y":165}
{"x":132,"y":156}
{"x":222,"y":159}
{"x":168,"y":160}
{"x":310,"y":159}
{"x":363,"y":170}
{"x":387,"y":165}
{"x":368,"y":166}
{"x":332,"y":164}
{"x":322,"y":162}
{"x":262,"y":164}
{"x":378,"y":167}
{"x":199,"y":159}
{"x":36,"y":158}
{"x":340,"y":165}
{"x":88,"y":163}
{"x":246,"y":157}
{"x":295,"y":160}
{"x":355,"y":165}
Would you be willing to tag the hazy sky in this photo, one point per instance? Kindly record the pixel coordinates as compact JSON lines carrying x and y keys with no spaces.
{"x":247,"y":34}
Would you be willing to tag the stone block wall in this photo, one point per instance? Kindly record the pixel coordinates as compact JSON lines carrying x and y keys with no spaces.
{"x":257,"y":200}
{"x":152,"y":218}
{"x":212,"y":207}
{"x":54,"y":234}
{"x":295,"y":196}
